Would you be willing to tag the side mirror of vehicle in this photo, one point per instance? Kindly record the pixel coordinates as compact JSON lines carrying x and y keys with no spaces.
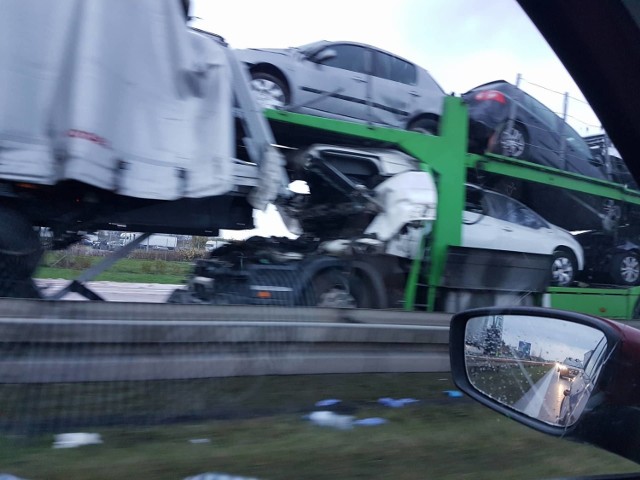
{"x":324,"y":55}
{"x":562,"y":373}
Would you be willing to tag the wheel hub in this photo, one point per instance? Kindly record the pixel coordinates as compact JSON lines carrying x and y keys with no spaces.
{"x":337,"y":298}
{"x":630,"y":269}
{"x":512,"y":142}
{"x":562,"y":271}
{"x":267,"y":93}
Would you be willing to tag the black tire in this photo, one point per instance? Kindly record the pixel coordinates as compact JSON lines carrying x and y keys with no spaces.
{"x":563,"y":268}
{"x":20,"y":252}
{"x":428,"y":126}
{"x":511,"y":141}
{"x":335,"y":289}
{"x":269,"y":90}
{"x":624,"y":269}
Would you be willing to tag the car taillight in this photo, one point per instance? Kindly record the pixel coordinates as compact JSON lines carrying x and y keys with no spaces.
{"x":494,"y":95}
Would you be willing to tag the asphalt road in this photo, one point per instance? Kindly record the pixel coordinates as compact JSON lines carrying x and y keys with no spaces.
{"x":114,"y":291}
{"x":544,"y":399}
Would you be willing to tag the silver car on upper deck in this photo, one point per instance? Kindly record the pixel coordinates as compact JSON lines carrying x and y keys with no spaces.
{"x":347,"y":81}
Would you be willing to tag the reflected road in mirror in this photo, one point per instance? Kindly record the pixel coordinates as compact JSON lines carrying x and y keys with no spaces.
{"x":542,"y":367}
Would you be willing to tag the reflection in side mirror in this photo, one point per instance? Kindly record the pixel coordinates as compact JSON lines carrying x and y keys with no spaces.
{"x":542,"y":367}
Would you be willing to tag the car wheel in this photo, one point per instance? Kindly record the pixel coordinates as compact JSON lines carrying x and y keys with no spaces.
{"x":625,"y":268}
{"x":511,"y":141}
{"x":269,"y":90}
{"x":563,"y":268}
{"x":428,"y":126}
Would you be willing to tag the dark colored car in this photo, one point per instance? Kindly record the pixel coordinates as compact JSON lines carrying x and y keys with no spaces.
{"x":612,"y":257}
{"x":608,"y":154}
{"x":536,"y":133}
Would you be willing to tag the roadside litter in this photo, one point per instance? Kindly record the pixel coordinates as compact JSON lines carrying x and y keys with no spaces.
{"x":342,"y":422}
{"x":325,"y":418}
{"x":196,"y":441}
{"x":370,"y":422}
{"x":329,"y":402}
{"x":396,"y":403}
{"x":453,"y":393}
{"x":73,"y":440}
{"x":219,"y":476}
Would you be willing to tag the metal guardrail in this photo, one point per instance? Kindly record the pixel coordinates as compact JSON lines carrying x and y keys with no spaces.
{"x":53,"y":342}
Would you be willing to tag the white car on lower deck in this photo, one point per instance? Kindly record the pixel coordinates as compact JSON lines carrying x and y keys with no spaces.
{"x":498,"y":222}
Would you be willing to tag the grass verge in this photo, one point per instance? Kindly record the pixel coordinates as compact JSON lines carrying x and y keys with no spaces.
{"x":440,"y":437}
{"x":125,"y":270}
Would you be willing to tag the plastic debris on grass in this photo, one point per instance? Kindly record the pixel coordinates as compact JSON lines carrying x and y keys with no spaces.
{"x":73,"y":440}
{"x":453,"y":393}
{"x":397,"y":403}
{"x":197,"y":441}
{"x":370,"y":422}
{"x":342,"y":422}
{"x":7,"y":476}
{"x":325,"y":418}
{"x":329,"y":402}
{"x":219,"y":476}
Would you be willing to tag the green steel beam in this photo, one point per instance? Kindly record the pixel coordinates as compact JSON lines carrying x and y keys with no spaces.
{"x":446,"y":156}
{"x":550,"y":176}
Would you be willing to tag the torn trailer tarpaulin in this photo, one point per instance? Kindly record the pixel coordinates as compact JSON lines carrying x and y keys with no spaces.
{"x":117,"y":94}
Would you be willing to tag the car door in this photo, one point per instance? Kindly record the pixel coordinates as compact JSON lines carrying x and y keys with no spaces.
{"x":520,"y":229}
{"x":543,"y":130}
{"x":393,"y":90}
{"x":479,"y":229}
{"x":335,"y":80}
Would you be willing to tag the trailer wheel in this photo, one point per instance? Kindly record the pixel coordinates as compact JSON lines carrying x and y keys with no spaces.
{"x":335,"y":289}
{"x":20,"y":252}
{"x":331,"y":289}
{"x":625,"y":269}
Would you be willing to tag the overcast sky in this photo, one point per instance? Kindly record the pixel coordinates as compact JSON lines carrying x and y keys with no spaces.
{"x":463,"y":43}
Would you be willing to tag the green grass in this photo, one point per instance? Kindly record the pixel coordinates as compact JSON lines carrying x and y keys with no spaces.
{"x":440,"y":438}
{"x":507,"y":382}
{"x":126,"y":270}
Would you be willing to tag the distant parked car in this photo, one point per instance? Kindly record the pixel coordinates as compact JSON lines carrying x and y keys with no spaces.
{"x":612,"y":257}
{"x":498,"y":222}
{"x":348,"y":81}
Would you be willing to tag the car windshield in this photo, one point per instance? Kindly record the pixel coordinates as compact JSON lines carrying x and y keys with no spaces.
{"x":225,"y":262}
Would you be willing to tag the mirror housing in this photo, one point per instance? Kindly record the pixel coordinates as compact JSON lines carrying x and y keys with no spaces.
{"x":324,"y":54}
{"x":489,"y":346}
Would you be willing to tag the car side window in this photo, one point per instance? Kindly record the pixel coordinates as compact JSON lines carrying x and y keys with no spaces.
{"x":348,"y":57}
{"x":394,"y":68}
{"x":509,"y":210}
{"x":593,"y":358}
{"x":473,"y":201}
